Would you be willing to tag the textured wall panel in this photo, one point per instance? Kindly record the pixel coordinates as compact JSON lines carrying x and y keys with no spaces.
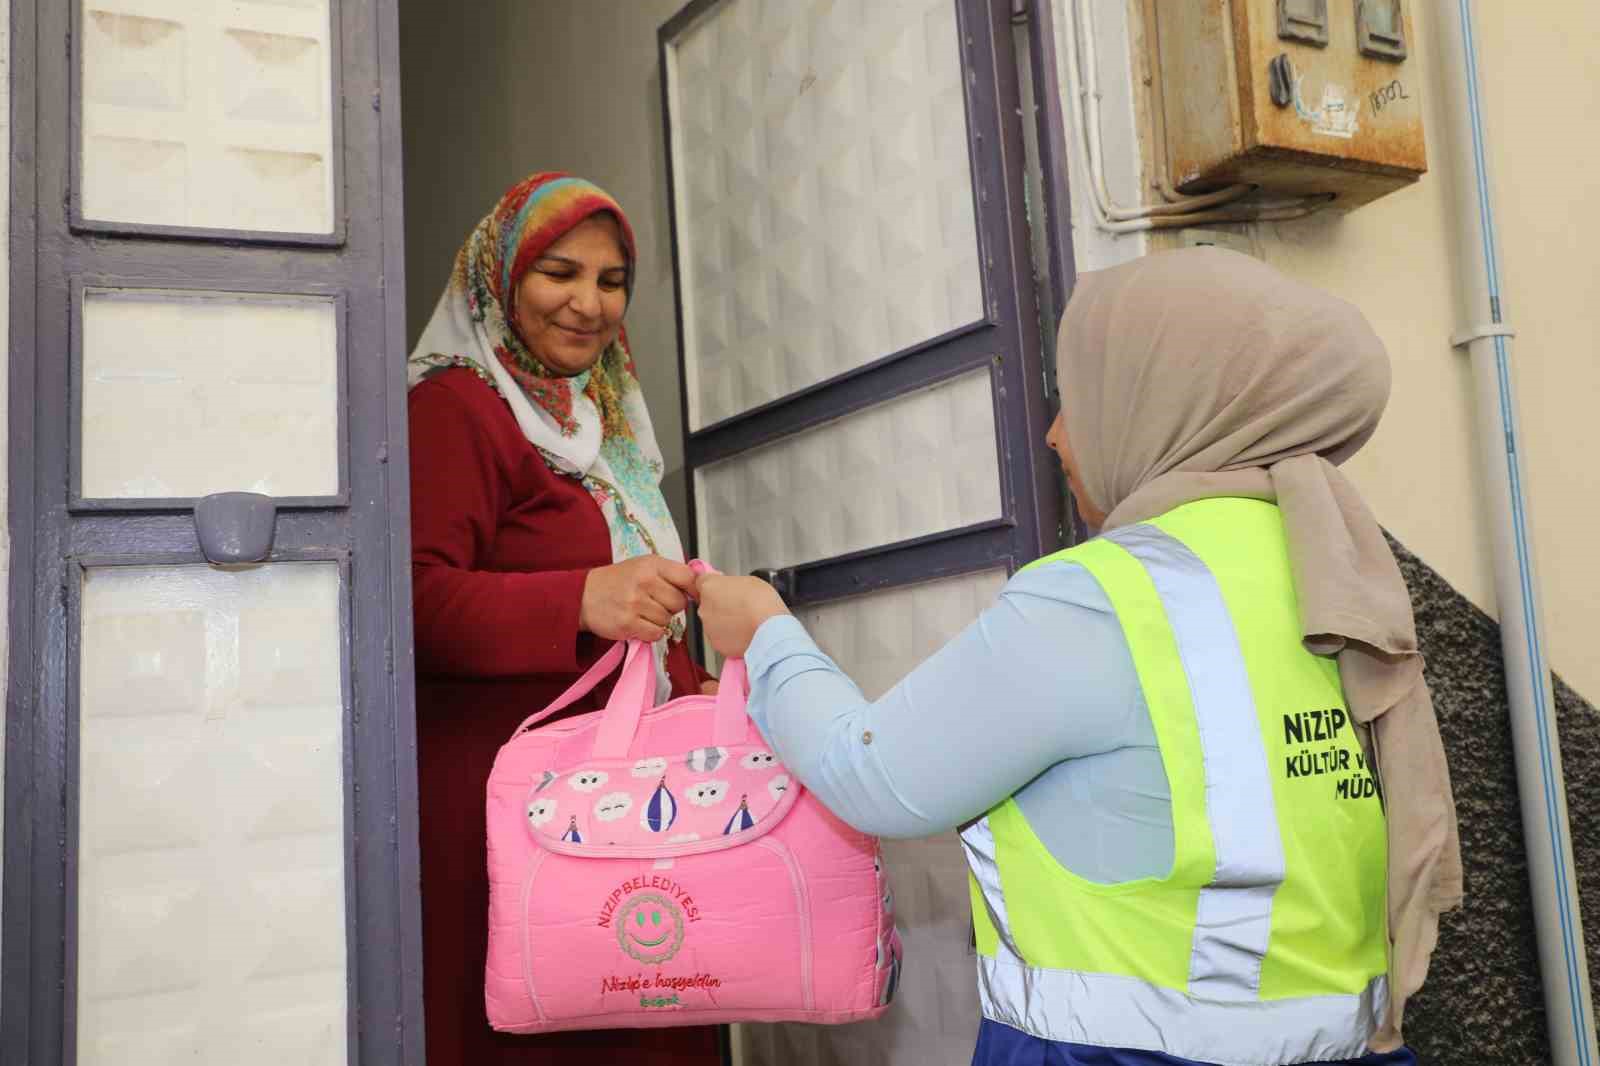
{"x":825,"y":211}
{"x":208,"y":115}
{"x":918,"y":464}
{"x":243,"y":390}
{"x":211,"y":887}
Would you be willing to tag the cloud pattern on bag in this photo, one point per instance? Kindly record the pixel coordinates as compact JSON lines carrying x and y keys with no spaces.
{"x":670,"y":793}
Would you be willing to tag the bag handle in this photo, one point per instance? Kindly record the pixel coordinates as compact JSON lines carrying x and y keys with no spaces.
{"x":732,"y":723}
{"x":633,"y":695}
{"x":579,"y":688}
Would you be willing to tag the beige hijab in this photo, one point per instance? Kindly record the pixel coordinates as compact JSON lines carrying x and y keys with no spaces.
{"x":1202,"y":373}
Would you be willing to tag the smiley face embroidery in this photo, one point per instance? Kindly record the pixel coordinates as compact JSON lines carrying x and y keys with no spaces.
{"x":650,"y":928}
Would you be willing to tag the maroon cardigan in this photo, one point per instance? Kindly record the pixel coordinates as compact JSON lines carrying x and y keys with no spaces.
{"x":500,"y":548}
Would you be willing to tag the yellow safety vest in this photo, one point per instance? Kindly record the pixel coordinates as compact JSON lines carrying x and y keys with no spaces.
{"x":1266,"y":943}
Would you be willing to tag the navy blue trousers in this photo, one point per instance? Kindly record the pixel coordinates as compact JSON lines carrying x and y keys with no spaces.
{"x":1001,"y":1045}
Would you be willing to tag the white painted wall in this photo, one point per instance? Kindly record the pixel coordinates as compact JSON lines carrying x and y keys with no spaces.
{"x":494,"y":90}
{"x":1395,"y":259}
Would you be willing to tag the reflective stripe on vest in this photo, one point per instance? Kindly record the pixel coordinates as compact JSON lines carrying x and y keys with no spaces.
{"x":1235,"y":913}
{"x":1221,"y":1016}
{"x":1120,"y":1012}
{"x":977,"y":840}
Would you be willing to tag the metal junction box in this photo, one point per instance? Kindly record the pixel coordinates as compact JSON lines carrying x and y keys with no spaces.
{"x":1297,"y":96}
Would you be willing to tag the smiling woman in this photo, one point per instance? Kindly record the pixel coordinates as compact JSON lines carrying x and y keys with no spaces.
{"x":569,"y":307}
{"x":539,"y":537}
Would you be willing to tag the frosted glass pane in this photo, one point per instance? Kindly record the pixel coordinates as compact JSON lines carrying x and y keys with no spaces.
{"x":824,"y":192}
{"x":243,"y":389}
{"x":919,"y":464}
{"x":211,"y":887}
{"x":208,"y":115}
{"x":877,"y":639}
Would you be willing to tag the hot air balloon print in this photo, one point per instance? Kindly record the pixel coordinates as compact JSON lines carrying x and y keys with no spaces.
{"x":705,"y":760}
{"x":741,"y":819}
{"x":572,"y":836}
{"x":661,"y":810}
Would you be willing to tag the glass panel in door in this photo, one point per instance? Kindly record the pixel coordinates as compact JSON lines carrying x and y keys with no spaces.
{"x":211,"y":865}
{"x":189,"y":393}
{"x":919,"y":464}
{"x":824,"y":193}
{"x":208,"y":116}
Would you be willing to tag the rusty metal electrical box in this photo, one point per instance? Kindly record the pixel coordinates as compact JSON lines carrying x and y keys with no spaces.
{"x":1300,"y":97}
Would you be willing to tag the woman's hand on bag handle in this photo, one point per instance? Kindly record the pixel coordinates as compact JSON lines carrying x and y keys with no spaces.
{"x":733,"y":608}
{"x":635,"y":599}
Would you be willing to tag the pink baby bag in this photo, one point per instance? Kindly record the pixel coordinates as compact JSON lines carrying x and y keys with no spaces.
{"x":656,"y":866}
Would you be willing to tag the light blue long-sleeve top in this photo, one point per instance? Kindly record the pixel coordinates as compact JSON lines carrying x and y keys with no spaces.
{"x":1037,"y":698}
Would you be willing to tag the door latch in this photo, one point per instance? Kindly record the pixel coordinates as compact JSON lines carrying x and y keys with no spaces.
{"x":235,"y":527}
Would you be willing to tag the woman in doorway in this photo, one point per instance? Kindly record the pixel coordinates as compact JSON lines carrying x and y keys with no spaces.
{"x":539,"y":537}
{"x":1158,"y":741}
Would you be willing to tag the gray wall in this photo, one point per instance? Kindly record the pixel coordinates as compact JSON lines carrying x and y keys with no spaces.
{"x":495,"y":90}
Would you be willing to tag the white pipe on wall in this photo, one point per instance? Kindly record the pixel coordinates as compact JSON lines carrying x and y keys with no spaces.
{"x":1541,"y":789}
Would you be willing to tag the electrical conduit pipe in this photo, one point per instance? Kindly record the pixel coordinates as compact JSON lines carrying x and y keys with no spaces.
{"x":1541,"y":789}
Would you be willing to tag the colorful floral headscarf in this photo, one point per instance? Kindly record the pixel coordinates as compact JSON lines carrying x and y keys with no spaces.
{"x":593,"y":426}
